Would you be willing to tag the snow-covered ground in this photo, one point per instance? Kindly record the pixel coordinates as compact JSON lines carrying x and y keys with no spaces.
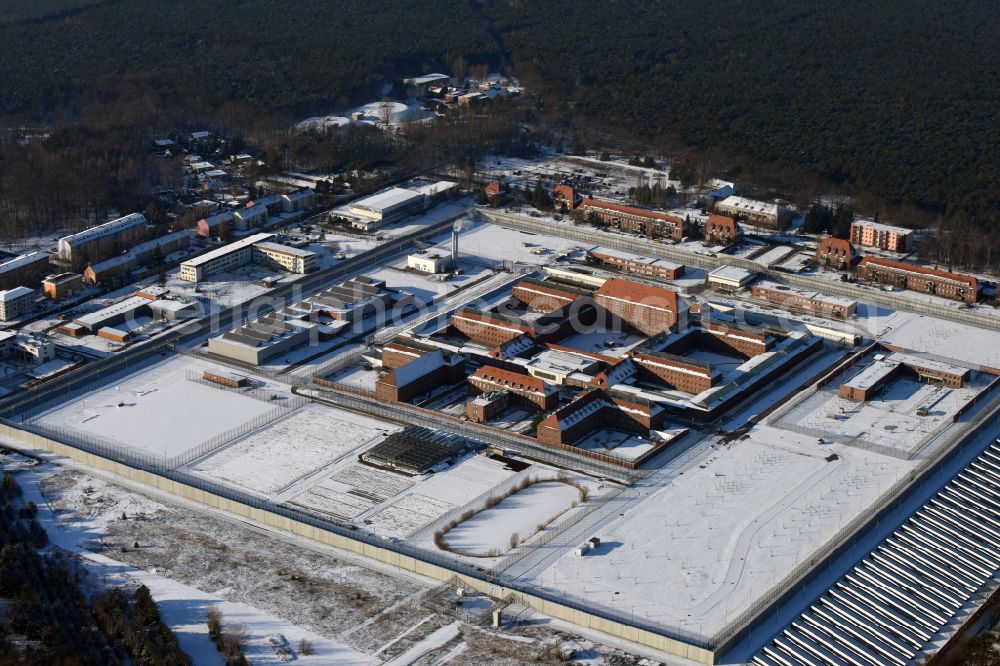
{"x":428,"y":287}
{"x":516,"y":518}
{"x":725,"y":532}
{"x":962,"y":342}
{"x":183,"y":608}
{"x":294,"y":449}
{"x":888,"y":420}
{"x":159,"y":410}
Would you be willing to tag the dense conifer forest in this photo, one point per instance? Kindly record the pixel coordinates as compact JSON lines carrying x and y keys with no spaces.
{"x":897,"y":100}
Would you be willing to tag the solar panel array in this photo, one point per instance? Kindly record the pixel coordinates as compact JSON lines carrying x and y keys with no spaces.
{"x":906,"y":595}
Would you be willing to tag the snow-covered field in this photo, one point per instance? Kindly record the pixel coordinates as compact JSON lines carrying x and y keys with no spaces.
{"x":426,"y":287}
{"x":293,"y":449}
{"x":437,"y":495}
{"x":517,"y":517}
{"x":889,"y":420}
{"x":183,"y":608}
{"x":726,"y":531}
{"x":967,"y":344}
{"x":158,"y":410}
{"x":352,"y":490}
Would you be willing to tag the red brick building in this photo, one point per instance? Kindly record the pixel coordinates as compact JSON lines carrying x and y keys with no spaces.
{"x":883,"y":236}
{"x":836,"y":252}
{"x":528,"y":389}
{"x":487,"y":406}
{"x":654,"y":224}
{"x":401,"y":351}
{"x":546,"y":295}
{"x":598,"y":409}
{"x":494,"y":190}
{"x":420,"y":376}
{"x":873,"y":378}
{"x":651,"y":267}
{"x":905,"y":275}
{"x":565,"y":194}
{"x":648,"y":309}
{"x":721,"y":230}
{"x":683,"y":374}
{"x":489,"y":328}
{"x":805,"y":300}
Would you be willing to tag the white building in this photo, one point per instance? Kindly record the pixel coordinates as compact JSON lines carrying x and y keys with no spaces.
{"x":222,"y":259}
{"x":15,"y":302}
{"x":99,"y":242}
{"x":428,"y":262}
{"x":30,"y":347}
{"x":386,"y":207}
{"x":291,"y":259}
{"x":252,"y":215}
{"x":254,"y":249}
{"x":295,"y":201}
{"x":731,"y":277}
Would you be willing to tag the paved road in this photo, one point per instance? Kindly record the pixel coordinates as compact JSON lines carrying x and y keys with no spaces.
{"x":647,"y":248}
{"x":197,"y":330}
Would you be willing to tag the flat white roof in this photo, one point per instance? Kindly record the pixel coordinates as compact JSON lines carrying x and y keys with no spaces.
{"x":127,"y":305}
{"x":803,"y":293}
{"x":878,"y":226}
{"x":385,"y":199}
{"x":16,"y":292}
{"x":227,"y":249}
{"x":871,"y":375}
{"x":731,"y":274}
{"x":286,"y":249}
{"x":22,"y":260}
{"x":927,"y":363}
{"x":435,"y":188}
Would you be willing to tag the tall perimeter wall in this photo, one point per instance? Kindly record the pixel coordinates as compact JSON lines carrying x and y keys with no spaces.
{"x":270,"y":517}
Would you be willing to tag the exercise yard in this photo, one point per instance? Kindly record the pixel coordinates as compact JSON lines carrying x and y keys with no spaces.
{"x":889,"y":421}
{"x":498,"y":529}
{"x":702,"y":549}
{"x":160,"y":411}
{"x":284,"y":456}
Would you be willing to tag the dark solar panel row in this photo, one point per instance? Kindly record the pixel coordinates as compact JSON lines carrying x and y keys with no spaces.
{"x":907,"y":592}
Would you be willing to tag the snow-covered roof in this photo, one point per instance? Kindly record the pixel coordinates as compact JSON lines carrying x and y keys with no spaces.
{"x":106,"y":229}
{"x":226,"y":249}
{"x":744,"y":205}
{"x":878,"y":226}
{"x":286,"y":249}
{"x":769,"y":285}
{"x":23,"y":260}
{"x":733,"y":274}
{"x":17,"y":292}
{"x":127,"y":305}
{"x":386,"y":199}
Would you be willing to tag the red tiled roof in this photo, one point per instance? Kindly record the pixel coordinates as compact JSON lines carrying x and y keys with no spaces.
{"x":564,"y":191}
{"x":836,"y":246}
{"x":512,"y":380}
{"x":638,"y":292}
{"x":914,"y":268}
{"x":639,"y":212}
